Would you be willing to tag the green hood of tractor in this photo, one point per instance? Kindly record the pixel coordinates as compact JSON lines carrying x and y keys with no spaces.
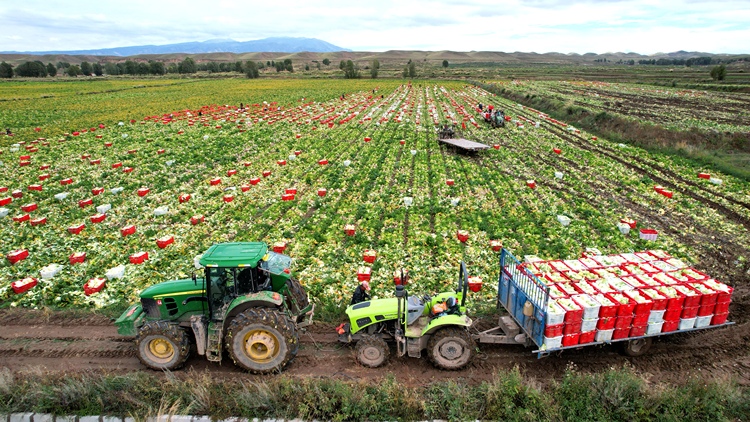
{"x":173,"y":288}
{"x":369,"y":312}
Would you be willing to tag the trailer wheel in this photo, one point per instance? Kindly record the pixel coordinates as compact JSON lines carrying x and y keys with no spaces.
{"x":637,"y":347}
{"x":451,"y":348}
{"x":162,"y":345}
{"x":372,"y":351}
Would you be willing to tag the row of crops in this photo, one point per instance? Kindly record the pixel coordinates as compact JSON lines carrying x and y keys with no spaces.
{"x":296,"y":171}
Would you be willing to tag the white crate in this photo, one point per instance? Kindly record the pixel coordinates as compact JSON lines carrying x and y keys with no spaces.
{"x":686,"y":323}
{"x":703,"y":321}
{"x":50,"y":271}
{"x":60,"y":196}
{"x":116,"y":272}
{"x":589,"y":304}
{"x":162,"y":210}
{"x":624,"y":228}
{"x":589,"y":324}
{"x":654,"y":328}
{"x":552,"y":342}
{"x":656,"y":316}
{"x":102,"y":209}
{"x":563,"y":219}
{"x":603,"y":335}
{"x":4,"y":212}
{"x":555,"y":313}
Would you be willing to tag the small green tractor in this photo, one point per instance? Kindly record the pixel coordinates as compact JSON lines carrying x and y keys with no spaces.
{"x":247,"y":303}
{"x":438,"y":324}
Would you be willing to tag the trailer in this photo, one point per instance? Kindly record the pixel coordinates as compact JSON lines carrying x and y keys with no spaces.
{"x":557,"y":305}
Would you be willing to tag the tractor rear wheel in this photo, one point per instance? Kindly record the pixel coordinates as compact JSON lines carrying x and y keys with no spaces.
{"x":261,"y":340}
{"x":162,"y":345}
{"x":451,"y":348}
{"x":372,"y":351}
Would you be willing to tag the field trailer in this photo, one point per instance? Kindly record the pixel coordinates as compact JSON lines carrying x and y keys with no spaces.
{"x":247,"y":302}
{"x":536,"y":312}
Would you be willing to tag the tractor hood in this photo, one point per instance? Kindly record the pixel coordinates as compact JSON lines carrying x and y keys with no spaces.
{"x":174,"y":287}
{"x":369,"y":312}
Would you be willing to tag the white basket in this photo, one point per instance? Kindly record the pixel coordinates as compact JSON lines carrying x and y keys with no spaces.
{"x":414,"y":152}
{"x":116,"y":272}
{"x":563,"y":219}
{"x":161,"y":210}
{"x":603,"y":335}
{"x":408,"y":201}
{"x":715,"y":181}
{"x":654,"y":328}
{"x":347,"y":163}
{"x":4,"y":212}
{"x":703,"y":321}
{"x":590,"y":308}
{"x":102,"y":209}
{"x":455,"y":201}
{"x":552,"y":343}
{"x":656,"y":316}
{"x":555,"y":314}
{"x":686,"y":323}
{"x":62,"y":195}
{"x":589,"y":324}
{"x":624,"y":228}
{"x":558,"y":175}
{"x":50,"y":271}
{"x":647,"y":236}
{"x":169,"y":163}
{"x":116,"y":190}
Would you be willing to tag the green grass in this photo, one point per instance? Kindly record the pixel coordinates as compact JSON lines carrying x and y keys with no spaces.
{"x":616,"y":395}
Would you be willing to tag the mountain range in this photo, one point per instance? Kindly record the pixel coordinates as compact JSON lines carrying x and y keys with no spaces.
{"x":273,"y":44}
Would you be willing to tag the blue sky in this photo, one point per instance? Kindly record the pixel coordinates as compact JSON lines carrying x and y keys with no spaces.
{"x":640,"y":26}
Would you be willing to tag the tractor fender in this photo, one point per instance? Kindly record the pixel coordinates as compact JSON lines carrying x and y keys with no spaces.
{"x":130,"y":321}
{"x":446,"y":320}
{"x":262,"y":299}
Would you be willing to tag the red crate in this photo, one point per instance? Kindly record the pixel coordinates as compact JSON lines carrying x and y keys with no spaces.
{"x":95,"y":162}
{"x":231,"y":173}
{"x":44,"y":167}
{"x":98,"y":218}
{"x":97,"y":191}
{"x":690,"y":312}
{"x":76,"y":229}
{"x":573,"y":311}
{"x":24,"y":285}
{"x":640,"y":308}
{"x":704,"y":176}
{"x":116,"y":165}
{"x":18,"y":193}
{"x":462,"y":235}
{"x":659,"y":301}
{"x":675,"y":303}
{"x":623,"y":322}
{"x":322,"y":192}
{"x":266,"y":173}
{"x":293,"y":191}
{"x":606,"y":323}
{"x":571,"y":328}
{"x":669,"y":326}
{"x":620,"y":333}
{"x":298,"y":152}
{"x":127,"y":230}
{"x":692,"y":297}
{"x":21,"y":218}
{"x":77,"y":258}
{"x":363,"y":274}
{"x":587,"y":337}
{"x":349,"y":229}
{"x":197,"y":219}
{"x":323,"y":162}
{"x":570,"y":340}
{"x":24,"y":163}
{"x":531,"y":184}
{"x":254,"y":181}
{"x":164,"y":241}
{"x":37,"y":188}
{"x":638,"y":330}
{"x":83,"y":203}
{"x":94,"y":285}
{"x":672,"y":314}
{"x":185,"y":197}
{"x":719,"y":319}
{"x":623,"y":309}
{"x":228,"y":198}
{"x":287,"y":197}
{"x":721,"y":308}
{"x":215,"y":181}
{"x":138,"y":257}
{"x":247,"y":163}
{"x":3,"y":189}
{"x":43,"y":177}
{"x":67,"y":181}
{"x":281,"y":162}
{"x":127,"y":169}
{"x":450,"y":182}
{"x":553,"y":330}
{"x":640,"y":319}
{"x":706,"y":310}
{"x":279,"y":247}
{"x":143,"y":191}
{"x":369,"y":256}
{"x":5,"y":201}
{"x":29,"y":207}
{"x":17,"y":255}
{"x":245,"y":188}
{"x":38,"y":221}
{"x":629,"y":221}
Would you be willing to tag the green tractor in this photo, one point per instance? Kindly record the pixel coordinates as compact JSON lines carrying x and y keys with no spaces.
{"x":247,"y":303}
{"x":438,"y":324}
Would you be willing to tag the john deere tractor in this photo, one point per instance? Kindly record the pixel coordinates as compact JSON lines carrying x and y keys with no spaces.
{"x":438,"y":324}
{"x":247,"y":302}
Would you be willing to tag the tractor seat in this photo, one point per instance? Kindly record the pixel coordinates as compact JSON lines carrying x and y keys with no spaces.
{"x":414,"y":309}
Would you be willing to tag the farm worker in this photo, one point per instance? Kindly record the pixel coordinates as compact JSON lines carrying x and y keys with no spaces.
{"x":360,"y":294}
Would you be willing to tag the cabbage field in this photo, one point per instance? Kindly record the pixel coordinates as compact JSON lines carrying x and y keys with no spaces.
{"x":106,"y":189}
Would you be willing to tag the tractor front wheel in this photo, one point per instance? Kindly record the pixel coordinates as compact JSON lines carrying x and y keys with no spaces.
{"x":261,"y":340}
{"x":451,"y":348}
{"x":372,"y":351}
{"x":162,"y":345}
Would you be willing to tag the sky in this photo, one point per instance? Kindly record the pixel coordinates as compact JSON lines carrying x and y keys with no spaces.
{"x":541,"y":26}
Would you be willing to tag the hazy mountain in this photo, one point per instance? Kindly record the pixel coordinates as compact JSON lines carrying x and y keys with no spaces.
{"x":274,"y":44}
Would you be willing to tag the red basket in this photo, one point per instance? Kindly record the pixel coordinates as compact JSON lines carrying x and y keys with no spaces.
{"x":38,"y":221}
{"x":21,"y":218}
{"x":363,"y":274}
{"x":571,"y":328}
{"x":570,"y":340}
{"x":24,"y":285}
{"x":231,"y":173}
{"x":17,"y":255}
{"x":624,"y":309}
{"x":165,"y":241}
{"x":721,"y":308}
{"x":215,"y":181}
{"x":94,"y":285}
{"x":322,"y":192}
{"x":620,"y":333}
{"x":606,"y":323}
{"x":640,"y":308}
{"x":266,"y":173}
{"x":719,"y":319}
{"x":689,"y":312}
{"x":659,"y":301}
{"x":706,"y":310}
{"x":669,"y":326}
{"x":97,"y":191}
{"x":138,"y":258}
{"x":76,"y":229}
{"x":29,"y":207}
{"x":640,"y":319}
{"x":672,"y":314}
{"x":623,"y":322}
{"x":254,"y":181}
{"x":127,"y":230}
{"x":369,"y":256}
{"x":98,"y":218}
{"x":587,"y":337}
{"x":77,"y":258}
{"x":690,"y":301}
{"x":83,"y":203}
{"x":279,"y":247}
{"x":553,"y":330}
{"x":197,"y":219}
{"x":143,"y":191}
{"x":185,"y":197}
{"x":638,"y":330}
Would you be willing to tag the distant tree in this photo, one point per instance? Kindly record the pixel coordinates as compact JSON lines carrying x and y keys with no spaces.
{"x":288,"y":65}
{"x":51,"y":69}
{"x":73,"y":71}
{"x":6,"y":70}
{"x":342,"y":65}
{"x":238,"y":67}
{"x":410,"y":70}
{"x":33,"y":69}
{"x":143,"y":68}
{"x":86,"y":68}
{"x":268,"y":63}
{"x":173,"y":68}
{"x":351,"y":71}
{"x":187,"y":66}
{"x":156,"y":68}
{"x":374,"y":68}
{"x":111,"y":68}
{"x":63,"y":65}
{"x":718,"y":73}
{"x":326,"y":61}
{"x":445,"y":63}
{"x":131,"y":67}
{"x":212,"y":67}
{"x":97,"y":68}
{"x":307,"y":67}
{"x":279,"y":66}
{"x":251,"y":69}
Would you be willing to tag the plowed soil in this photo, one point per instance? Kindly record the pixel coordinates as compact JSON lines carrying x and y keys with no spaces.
{"x":36,"y":341}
